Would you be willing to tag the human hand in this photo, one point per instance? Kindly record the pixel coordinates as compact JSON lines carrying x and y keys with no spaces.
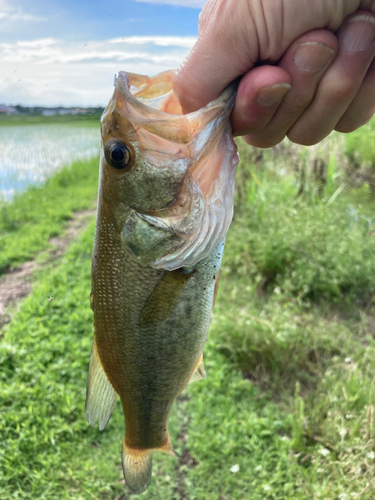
{"x":307,"y":66}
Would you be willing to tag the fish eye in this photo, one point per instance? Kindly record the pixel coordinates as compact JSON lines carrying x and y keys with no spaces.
{"x":117,"y":155}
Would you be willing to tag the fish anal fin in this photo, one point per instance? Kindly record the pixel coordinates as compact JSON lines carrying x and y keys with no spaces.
{"x":164,"y":297}
{"x":199,"y":373}
{"x":100,"y":395}
{"x":167,"y":448}
{"x":137,"y":465}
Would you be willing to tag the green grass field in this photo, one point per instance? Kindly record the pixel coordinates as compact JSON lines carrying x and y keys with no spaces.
{"x":90,"y":120}
{"x":287,"y":409}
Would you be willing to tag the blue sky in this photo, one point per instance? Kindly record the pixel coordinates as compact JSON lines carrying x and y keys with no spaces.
{"x":65,"y":52}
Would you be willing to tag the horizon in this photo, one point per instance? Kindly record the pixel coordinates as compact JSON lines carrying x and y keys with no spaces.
{"x":65,"y":53}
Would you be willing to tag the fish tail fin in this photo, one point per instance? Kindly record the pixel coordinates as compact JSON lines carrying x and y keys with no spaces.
{"x":137,"y":465}
{"x":137,"y":468}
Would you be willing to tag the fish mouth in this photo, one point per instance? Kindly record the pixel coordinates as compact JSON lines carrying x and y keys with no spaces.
{"x":153,"y":116}
{"x":150,"y":103}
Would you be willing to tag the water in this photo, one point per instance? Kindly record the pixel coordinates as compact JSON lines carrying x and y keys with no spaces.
{"x":31,"y":153}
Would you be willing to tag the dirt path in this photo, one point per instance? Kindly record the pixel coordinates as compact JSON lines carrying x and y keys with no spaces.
{"x":16,"y":283}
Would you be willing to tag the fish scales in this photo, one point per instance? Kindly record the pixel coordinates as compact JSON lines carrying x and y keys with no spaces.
{"x":164,"y":206}
{"x":159,"y":359}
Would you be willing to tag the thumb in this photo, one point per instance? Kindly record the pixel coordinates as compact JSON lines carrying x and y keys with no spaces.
{"x":216,"y":59}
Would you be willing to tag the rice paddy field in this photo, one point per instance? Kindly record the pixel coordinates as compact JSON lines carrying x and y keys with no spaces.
{"x":288,"y":407}
{"x":31,"y":154}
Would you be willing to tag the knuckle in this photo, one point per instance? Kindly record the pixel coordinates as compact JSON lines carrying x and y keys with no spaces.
{"x":262,"y":141}
{"x":303,"y":139}
{"x":204,"y":15}
{"x":294,"y":106}
{"x":345,"y":89}
{"x":347,"y":125}
{"x":346,"y":128}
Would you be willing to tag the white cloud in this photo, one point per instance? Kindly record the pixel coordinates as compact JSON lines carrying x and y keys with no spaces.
{"x":42,"y":42}
{"x":4,"y":5}
{"x":163,"y":41}
{"x":23,"y":16}
{"x":53,"y":51}
{"x":53,"y":72}
{"x":10,"y":14}
{"x":196,"y":4}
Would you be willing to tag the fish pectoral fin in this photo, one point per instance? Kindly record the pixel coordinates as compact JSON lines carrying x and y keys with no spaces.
{"x":164,"y":297}
{"x":137,"y":465}
{"x":142,"y":234}
{"x":199,"y":373}
{"x":100,"y":395}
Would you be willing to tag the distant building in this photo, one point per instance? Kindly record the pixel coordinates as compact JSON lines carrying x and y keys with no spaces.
{"x":40,"y":110}
{"x":64,"y":111}
{"x":67,"y":111}
{"x":7,"y":110}
{"x":49,"y":112}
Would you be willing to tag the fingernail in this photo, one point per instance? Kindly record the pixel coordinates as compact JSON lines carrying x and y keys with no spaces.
{"x":272,"y":94}
{"x":312,"y":56}
{"x":359,"y":33}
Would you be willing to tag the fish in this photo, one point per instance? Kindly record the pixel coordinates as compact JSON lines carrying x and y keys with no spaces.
{"x":165,"y":203}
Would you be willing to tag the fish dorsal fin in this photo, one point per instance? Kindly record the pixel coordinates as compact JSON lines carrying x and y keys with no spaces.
{"x":199,"y":373}
{"x":100,"y":395}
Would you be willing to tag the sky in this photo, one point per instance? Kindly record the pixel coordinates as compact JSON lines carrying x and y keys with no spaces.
{"x":66,"y":52}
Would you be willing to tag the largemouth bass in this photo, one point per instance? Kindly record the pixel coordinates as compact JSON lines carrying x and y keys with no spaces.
{"x":164,"y":206}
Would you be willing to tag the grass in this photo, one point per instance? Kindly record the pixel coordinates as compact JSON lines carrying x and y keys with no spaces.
{"x":360,"y":144}
{"x":302,"y":247}
{"x":91,"y":120}
{"x":287,"y":410}
{"x":31,"y":218}
{"x":360,"y":151}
